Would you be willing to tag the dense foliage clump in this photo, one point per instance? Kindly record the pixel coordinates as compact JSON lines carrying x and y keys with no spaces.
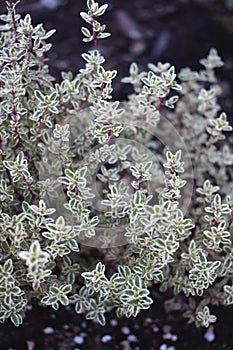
{"x":148,"y":182}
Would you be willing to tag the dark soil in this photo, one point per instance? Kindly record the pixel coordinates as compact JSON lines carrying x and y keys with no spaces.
{"x":177,"y":31}
{"x":149,"y":331}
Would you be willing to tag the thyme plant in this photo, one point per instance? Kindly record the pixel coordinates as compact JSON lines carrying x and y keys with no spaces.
{"x":100,"y":200}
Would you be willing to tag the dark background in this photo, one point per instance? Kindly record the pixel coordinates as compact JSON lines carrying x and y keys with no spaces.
{"x":176,"y":31}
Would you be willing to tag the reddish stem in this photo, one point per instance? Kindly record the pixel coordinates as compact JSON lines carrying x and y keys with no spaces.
{"x":12,"y":10}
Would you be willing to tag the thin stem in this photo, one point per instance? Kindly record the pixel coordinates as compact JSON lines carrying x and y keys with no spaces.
{"x":94,"y":34}
{"x":12,"y":11}
{"x":95,"y":40}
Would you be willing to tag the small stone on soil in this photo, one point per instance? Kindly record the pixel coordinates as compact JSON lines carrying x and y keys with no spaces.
{"x":125,"y":344}
{"x":50,"y":4}
{"x":84,"y":324}
{"x":167,"y":328}
{"x":125,"y":330}
{"x":48,"y":330}
{"x":165,"y":347}
{"x":167,"y":335}
{"x":209,"y":336}
{"x":155,"y":328}
{"x":106,"y":338}
{"x":78,"y":339}
{"x":174,"y":337}
{"x":113,"y":322}
{"x":132,"y":338}
{"x":83,"y":334}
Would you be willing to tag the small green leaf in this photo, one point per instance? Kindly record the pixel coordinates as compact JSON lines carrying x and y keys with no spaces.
{"x":39,"y":95}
